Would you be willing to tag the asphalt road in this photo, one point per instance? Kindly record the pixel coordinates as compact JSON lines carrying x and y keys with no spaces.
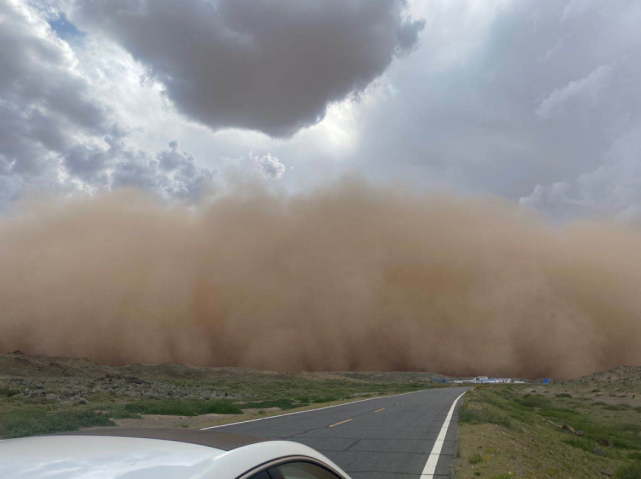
{"x":382,"y":438}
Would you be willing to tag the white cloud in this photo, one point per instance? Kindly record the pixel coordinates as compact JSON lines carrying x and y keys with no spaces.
{"x":57,"y":131}
{"x":269,"y":165}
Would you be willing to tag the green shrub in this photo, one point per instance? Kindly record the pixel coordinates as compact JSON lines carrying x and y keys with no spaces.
{"x":564,"y":395}
{"x":30,"y":421}
{"x":183,"y":407}
{"x":279,"y":403}
{"x":581,"y":443}
{"x":322,"y":399}
{"x":475,"y":459}
{"x":535,"y":401}
{"x":486,"y":415}
{"x":560,"y":413}
{"x":8,"y":392}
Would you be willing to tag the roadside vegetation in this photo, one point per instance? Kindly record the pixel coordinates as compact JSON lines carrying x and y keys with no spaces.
{"x":562,"y":431}
{"x":46,"y":395}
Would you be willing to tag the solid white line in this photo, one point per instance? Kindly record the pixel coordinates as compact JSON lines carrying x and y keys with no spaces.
{"x":311,"y":410}
{"x":430,"y":465}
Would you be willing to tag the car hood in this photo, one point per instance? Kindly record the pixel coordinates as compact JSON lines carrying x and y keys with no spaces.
{"x":94,"y":457}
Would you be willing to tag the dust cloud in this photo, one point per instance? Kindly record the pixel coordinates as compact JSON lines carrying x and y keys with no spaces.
{"x":348,"y":277}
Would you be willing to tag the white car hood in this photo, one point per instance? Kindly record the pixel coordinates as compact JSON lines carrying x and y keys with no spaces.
{"x":95,"y":457}
{"x":118,"y":457}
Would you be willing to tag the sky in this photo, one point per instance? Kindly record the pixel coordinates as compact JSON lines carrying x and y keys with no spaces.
{"x":535,"y":102}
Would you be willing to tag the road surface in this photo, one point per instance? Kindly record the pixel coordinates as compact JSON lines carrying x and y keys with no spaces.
{"x":383,"y":438}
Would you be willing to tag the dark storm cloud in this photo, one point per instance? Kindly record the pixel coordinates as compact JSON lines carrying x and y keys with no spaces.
{"x":267,"y":65}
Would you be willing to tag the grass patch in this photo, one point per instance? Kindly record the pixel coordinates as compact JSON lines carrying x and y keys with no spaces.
{"x":183,"y":407}
{"x":489,"y":415}
{"x":532,"y":441}
{"x":630,"y":471}
{"x":617,"y":407}
{"x":535,"y":401}
{"x":475,"y":459}
{"x":32,"y":421}
{"x":581,"y":443}
{"x":279,"y":403}
{"x":564,"y":395}
{"x":8,"y":392}
{"x":322,"y":399}
{"x":561,"y":414}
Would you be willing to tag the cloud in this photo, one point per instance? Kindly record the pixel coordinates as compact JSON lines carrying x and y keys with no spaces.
{"x":584,"y":90}
{"x":612,"y":189}
{"x":56,"y":132}
{"x":172,"y":172}
{"x":267,"y":65}
{"x":463,"y":114}
{"x":575,"y":8}
{"x":498,"y":97}
{"x":268,"y":164}
{"x":44,"y":103}
{"x":39,"y":71}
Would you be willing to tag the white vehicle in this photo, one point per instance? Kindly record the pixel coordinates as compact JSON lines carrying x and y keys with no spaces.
{"x":160,"y":454}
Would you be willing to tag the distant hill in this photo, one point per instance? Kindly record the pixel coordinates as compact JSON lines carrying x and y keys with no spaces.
{"x":620,"y":378}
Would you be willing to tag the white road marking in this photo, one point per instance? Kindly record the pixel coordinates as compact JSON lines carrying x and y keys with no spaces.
{"x":312,"y":410}
{"x":432,"y":461}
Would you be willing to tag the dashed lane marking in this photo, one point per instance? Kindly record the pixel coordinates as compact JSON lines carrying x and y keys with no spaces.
{"x":342,"y":422}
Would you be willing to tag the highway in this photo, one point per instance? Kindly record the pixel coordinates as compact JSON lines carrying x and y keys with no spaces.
{"x":392,"y":437}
